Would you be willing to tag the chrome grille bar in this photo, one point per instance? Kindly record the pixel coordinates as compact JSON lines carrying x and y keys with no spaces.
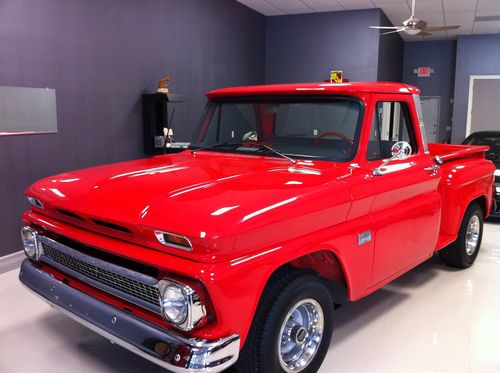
{"x":121,"y":282}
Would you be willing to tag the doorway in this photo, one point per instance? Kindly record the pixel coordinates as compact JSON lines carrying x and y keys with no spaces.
{"x":431,"y":106}
{"x":483,"y":109}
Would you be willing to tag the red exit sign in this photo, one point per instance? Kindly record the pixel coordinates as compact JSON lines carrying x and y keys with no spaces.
{"x":423,"y":72}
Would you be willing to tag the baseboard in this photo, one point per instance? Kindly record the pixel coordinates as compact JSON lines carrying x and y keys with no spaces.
{"x":11,"y":261}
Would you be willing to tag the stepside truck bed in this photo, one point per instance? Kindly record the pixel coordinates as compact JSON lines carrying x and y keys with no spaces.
{"x":464,"y":176}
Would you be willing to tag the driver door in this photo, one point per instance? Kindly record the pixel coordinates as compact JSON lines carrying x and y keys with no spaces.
{"x":406,"y":207}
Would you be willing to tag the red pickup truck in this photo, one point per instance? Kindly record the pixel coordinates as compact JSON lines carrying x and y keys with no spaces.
{"x":234,"y":250}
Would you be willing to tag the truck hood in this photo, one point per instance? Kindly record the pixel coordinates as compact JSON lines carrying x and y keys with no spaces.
{"x":226,"y":204}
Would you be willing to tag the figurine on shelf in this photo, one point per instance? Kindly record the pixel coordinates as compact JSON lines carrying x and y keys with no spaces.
{"x":163,"y":84}
{"x":168,"y":133}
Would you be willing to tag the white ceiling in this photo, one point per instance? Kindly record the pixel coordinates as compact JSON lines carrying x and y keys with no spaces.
{"x":435,"y":12}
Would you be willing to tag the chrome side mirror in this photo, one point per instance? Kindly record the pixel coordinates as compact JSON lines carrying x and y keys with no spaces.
{"x":400,"y":151}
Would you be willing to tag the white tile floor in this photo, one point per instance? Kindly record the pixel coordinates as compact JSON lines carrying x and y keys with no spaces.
{"x":433,"y":319}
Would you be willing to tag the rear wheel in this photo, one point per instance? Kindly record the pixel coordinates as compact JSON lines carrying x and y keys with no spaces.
{"x":463,"y":252}
{"x":292,"y":326}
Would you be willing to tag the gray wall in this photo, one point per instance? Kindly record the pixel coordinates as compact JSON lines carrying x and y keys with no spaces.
{"x":305,"y":47}
{"x":476,"y":55}
{"x":100,"y":56}
{"x":390,"y":54}
{"x":440,"y":55}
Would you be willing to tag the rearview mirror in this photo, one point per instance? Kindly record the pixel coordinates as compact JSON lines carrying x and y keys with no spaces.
{"x":400,"y":151}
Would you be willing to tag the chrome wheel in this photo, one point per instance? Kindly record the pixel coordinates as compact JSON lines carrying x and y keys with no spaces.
{"x":472,"y":235}
{"x":300,"y":335}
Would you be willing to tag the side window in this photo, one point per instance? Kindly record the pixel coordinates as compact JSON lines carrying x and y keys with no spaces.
{"x":390,"y":124}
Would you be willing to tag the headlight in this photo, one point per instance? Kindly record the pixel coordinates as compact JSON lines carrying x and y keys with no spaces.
{"x":30,"y":243}
{"x":175,"y":304}
{"x":180,"y":304}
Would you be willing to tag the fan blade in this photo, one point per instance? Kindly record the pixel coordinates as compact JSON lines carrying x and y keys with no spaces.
{"x":421,"y":25}
{"x":440,"y":28}
{"x":386,"y":27}
{"x":392,"y":32}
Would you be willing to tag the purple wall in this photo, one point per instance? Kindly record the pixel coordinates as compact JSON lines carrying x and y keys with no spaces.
{"x":100,"y":56}
{"x":390,"y":54}
{"x":440,"y":55}
{"x":305,"y":47}
{"x":476,"y":55}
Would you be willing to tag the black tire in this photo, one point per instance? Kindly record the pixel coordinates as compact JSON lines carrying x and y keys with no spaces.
{"x":455,"y":255}
{"x":284,"y":290}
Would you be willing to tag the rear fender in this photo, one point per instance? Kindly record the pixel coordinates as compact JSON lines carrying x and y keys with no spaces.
{"x":463,"y":182}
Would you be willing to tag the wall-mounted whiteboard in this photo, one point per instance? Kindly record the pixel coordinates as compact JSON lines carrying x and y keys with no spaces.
{"x":483,"y":110}
{"x":27,"y":110}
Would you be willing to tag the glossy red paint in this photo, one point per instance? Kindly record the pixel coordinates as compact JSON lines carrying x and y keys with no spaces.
{"x":351,"y":89}
{"x":248,"y":215}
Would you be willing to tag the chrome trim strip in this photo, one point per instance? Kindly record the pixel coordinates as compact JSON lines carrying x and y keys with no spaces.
{"x":136,"y":276}
{"x":160,"y":346}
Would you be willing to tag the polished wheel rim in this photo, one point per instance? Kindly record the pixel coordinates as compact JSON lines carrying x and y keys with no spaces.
{"x":300,"y":335}
{"x":472,"y":235}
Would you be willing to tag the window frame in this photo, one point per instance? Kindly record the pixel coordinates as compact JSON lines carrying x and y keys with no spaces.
{"x":203,"y":123}
{"x":405,"y":110}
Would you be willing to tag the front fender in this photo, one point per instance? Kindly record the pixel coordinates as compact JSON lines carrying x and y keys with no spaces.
{"x":237,"y":285}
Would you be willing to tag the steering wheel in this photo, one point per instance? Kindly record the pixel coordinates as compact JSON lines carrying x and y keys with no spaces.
{"x":339,"y":135}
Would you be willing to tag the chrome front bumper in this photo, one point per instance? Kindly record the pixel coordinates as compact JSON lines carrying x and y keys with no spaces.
{"x":165,"y":348}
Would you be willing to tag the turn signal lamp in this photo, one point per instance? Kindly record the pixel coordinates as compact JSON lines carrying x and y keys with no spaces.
{"x":35,"y":202}
{"x":174,"y":240}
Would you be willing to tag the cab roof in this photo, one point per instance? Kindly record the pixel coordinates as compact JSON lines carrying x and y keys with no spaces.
{"x":314,"y":89}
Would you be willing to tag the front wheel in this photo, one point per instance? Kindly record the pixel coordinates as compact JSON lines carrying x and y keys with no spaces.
{"x":292,"y":327}
{"x":463,"y":252}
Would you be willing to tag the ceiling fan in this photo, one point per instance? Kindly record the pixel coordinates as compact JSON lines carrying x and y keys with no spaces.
{"x":414,"y":26}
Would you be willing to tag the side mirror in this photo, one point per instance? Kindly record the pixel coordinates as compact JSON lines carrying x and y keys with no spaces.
{"x":400,"y":151}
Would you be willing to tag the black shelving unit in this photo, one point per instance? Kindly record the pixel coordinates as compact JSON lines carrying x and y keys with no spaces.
{"x":155,"y":114}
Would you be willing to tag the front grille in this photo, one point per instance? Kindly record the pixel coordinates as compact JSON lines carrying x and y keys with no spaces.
{"x":94,"y":270}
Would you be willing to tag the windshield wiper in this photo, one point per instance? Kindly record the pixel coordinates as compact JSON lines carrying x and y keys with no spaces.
{"x":251,"y":143}
{"x":277,"y":152}
{"x":217,"y":145}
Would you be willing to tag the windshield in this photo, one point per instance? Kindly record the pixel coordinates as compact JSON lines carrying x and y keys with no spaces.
{"x":298,"y":128}
{"x":492,"y":140}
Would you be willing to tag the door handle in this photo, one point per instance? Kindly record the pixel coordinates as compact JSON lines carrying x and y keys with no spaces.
{"x":432,"y":168}
{"x":437,"y":163}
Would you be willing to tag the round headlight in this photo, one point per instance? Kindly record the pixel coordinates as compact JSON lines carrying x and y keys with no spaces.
{"x":180,"y":304}
{"x":30,"y":242}
{"x":174,"y":304}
